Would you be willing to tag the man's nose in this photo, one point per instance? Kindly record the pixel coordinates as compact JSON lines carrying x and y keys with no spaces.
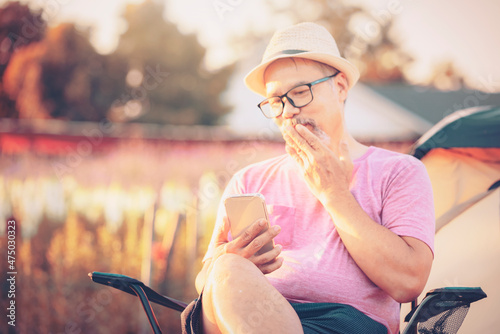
{"x":288,"y":109}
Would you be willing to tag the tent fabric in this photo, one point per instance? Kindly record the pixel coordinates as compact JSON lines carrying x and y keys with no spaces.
{"x":457,"y":177}
{"x":488,"y":155}
{"x":467,"y":253}
{"x":454,"y":212}
{"x":481,"y":124}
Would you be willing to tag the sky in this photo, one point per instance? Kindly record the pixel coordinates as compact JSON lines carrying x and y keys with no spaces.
{"x":463,"y":31}
{"x":432,"y":31}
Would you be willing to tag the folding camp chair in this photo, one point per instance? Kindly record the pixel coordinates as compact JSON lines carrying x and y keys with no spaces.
{"x":441,"y":312}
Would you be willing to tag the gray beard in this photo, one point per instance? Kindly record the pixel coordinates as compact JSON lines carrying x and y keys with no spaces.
{"x":314,"y":128}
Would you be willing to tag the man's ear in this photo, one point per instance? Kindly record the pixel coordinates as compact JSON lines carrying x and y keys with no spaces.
{"x":342,"y":85}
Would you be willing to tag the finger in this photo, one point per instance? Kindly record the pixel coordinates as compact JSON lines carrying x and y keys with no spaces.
{"x":271,"y":266}
{"x":294,"y":150}
{"x":259,"y":241}
{"x":267,"y":256}
{"x":295,"y":140}
{"x":293,"y":153}
{"x":310,"y":138}
{"x":290,"y":141}
{"x":250,"y":233}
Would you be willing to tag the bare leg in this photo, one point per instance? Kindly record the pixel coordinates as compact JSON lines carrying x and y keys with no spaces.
{"x":238,"y":298}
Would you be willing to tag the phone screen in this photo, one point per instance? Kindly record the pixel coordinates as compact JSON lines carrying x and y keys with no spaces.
{"x":244,"y":210}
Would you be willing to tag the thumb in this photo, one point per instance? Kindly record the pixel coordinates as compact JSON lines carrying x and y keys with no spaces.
{"x":344,"y":154}
{"x":222,"y":232}
{"x":345,"y":158}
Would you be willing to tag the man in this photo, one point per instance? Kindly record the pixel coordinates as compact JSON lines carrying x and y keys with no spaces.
{"x":353,"y":225}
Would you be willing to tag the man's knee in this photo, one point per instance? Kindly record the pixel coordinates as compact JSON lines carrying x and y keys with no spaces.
{"x":230,"y":269}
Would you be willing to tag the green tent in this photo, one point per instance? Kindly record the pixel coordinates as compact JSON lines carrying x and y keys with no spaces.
{"x":462,"y":156}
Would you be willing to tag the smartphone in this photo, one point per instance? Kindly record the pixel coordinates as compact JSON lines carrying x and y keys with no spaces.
{"x":242,"y":211}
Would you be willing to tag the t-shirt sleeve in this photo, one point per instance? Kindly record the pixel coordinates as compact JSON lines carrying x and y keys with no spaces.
{"x":233,"y":187}
{"x":408,"y":205}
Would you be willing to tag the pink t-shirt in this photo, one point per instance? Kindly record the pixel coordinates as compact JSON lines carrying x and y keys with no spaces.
{"x":393,"y":189}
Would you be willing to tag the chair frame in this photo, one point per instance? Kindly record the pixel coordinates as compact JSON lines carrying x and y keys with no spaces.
{"x":436,"y":301}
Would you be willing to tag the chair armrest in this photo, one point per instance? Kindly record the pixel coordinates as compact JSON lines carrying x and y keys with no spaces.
{"x":443,"y":308}
{"x":123,"y":283}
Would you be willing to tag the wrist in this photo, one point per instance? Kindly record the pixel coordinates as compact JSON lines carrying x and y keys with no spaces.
{"x":338,"y":202}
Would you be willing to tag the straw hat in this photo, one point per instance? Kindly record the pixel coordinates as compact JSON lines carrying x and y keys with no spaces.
{"x":304,"y":40}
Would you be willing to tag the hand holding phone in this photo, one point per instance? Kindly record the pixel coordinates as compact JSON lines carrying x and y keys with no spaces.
{"x":244,"y":210}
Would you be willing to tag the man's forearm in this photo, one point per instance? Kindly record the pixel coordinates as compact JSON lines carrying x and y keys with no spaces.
{"x":398,"y":265}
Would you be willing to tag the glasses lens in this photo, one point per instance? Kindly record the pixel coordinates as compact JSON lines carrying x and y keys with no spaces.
{"x":300,"y":95}
{"x":271,"y":107}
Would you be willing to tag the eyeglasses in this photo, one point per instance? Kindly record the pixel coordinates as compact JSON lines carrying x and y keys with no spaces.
{"x":298,"y":97}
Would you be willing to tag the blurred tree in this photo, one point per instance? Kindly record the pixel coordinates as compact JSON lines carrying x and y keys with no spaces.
{"x":19,"y":26}
{"x":166,"y":77}
{"x":63,"y":77}
{"x":364,"y":37}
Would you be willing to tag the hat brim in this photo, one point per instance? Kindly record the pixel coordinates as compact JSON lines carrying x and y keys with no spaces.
{"x":254,"y":80}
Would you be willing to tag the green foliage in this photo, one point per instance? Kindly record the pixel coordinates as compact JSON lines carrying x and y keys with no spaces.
{"x":182,"y":92}
{"x":63,"y":77}
{"x":19,"y":26}
{"x":60,"y":75}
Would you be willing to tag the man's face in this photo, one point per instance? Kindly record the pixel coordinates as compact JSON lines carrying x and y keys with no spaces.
{"x":324,"y":115}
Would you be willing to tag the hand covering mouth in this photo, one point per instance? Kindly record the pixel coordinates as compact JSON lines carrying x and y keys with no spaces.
{"x":311,"y":126}
{"x":307,"y":122}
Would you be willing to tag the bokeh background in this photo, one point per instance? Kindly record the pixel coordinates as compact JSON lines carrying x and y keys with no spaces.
{"x":122,"y":121}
